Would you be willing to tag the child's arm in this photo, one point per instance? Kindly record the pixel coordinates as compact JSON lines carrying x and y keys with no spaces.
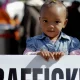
{"x":74,"y":47}
{"x":45,"y":54}
{"x":75,"y":52}
{"x":31,"y":49}
{"x":30,"y":52}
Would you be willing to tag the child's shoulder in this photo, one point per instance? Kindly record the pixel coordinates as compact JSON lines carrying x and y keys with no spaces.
{"x":34,"y":38}
{"x":71,"y":38}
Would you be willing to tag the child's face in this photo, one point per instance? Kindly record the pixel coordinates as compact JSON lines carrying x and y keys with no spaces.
{"x":52,"y":20}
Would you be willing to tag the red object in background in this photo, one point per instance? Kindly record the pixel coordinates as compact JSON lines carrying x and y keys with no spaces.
{"x":6,"y":35}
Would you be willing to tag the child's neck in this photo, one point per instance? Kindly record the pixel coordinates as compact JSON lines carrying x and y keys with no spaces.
{"x":54,"y":38}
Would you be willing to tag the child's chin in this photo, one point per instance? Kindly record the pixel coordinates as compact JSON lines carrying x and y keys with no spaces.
{"x":52,"y":36}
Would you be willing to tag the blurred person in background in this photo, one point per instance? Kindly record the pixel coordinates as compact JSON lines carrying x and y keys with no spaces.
{"x":4,"y":17}
{"x":17,"y":26}
{"x":30,"y":21}
{"x":6,"y":24}
{"x":73,"y":25}
{"x":17,"y":14}
{"x":10,"y":36}
{"x":16,"y":36}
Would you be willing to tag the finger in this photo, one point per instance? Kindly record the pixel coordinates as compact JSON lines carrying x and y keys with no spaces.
{"x":59,"y":55}
{"x":62,"y":54}
{"x":39,"y":53}
{"x":56,"y":55}
{"x":42,"y":54}
{"x":45,"y":56}
{"x":52,"y":55}
{"x":48,"y":54}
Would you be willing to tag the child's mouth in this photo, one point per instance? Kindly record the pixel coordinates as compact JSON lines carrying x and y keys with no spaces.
{"x":51,"y":31}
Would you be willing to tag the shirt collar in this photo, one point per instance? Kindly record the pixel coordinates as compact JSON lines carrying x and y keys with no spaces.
{"x":42,"y":36}
{"x":62,"y":36}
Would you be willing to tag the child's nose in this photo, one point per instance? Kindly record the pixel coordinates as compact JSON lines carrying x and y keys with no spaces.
{"x":51,"y":25}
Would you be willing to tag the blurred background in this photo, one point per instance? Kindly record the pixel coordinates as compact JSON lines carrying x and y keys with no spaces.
{"x":19,"y":20}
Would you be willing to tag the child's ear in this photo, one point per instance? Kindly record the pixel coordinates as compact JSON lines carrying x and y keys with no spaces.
{"x":65,"y":23}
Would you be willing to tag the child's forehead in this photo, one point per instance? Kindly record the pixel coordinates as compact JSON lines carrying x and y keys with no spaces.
{"x":54,"y":13}
{"x":52,"y":3}
{"x":53,"y":7}
{"x":50,"y":6}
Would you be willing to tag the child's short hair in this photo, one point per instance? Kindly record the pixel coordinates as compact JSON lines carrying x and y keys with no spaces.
{"x":53,"y":2}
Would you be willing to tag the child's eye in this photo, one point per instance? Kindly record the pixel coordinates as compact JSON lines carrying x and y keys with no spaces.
{"x":45,"y":21}
{"x":57,"y":21}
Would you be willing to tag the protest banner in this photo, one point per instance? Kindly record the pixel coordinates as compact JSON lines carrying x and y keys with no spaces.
{"x":32,"y":67}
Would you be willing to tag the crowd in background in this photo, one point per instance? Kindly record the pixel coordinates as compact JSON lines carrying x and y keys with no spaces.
{"x":14,"y":32}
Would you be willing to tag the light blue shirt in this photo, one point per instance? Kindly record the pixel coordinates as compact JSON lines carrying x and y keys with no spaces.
{"x":64,"y":43}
